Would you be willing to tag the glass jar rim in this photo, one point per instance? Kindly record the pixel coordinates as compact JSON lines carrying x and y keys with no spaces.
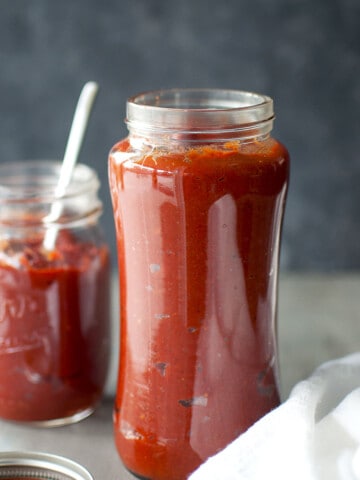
{"x":36,"y":180}
{"x":196,"y":109}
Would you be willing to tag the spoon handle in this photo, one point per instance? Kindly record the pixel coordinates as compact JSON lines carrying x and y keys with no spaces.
{"x":76,"y":136}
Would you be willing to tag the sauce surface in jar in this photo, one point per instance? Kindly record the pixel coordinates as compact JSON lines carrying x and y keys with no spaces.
{"x":198,"y":226}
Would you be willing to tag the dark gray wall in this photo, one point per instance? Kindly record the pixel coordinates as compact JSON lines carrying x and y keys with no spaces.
{"x":305,"y":54}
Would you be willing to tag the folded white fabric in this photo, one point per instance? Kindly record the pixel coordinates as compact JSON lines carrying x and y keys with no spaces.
{"x":314,"y":435}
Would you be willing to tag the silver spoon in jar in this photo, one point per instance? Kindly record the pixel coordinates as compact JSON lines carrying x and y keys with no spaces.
{"x":76,"y":136}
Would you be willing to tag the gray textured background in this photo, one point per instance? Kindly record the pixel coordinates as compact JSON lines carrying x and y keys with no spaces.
{"x":303,"y":53}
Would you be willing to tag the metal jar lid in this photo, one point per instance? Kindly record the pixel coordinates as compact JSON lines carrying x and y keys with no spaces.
{"x":40,"y":466}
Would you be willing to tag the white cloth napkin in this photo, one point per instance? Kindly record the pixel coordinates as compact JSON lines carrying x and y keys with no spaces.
{"x":314,"y":435}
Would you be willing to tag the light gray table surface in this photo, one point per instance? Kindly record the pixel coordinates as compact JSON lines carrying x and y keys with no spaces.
{"x":319,"y":319}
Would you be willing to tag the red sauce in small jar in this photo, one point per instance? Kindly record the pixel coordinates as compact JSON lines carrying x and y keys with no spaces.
{"x":54,"y":318}
{"x":198,"y":225}
{"x":53,"y":330}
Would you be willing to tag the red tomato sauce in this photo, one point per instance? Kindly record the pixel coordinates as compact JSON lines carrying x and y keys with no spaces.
{"x":198,"y":234}
{"x":54,"y":321}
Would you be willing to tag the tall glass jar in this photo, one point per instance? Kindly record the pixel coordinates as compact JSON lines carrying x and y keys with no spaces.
{"x":198,"y":191}
{"x":54,"y":298}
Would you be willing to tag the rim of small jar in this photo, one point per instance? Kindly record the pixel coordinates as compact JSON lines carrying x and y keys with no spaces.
{"x":198,"y":109}
{"x":84,"y":180}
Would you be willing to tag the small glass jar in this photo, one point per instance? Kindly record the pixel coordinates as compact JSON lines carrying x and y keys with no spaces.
{"x":198,"y":190}
{"x":54,"y":297}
